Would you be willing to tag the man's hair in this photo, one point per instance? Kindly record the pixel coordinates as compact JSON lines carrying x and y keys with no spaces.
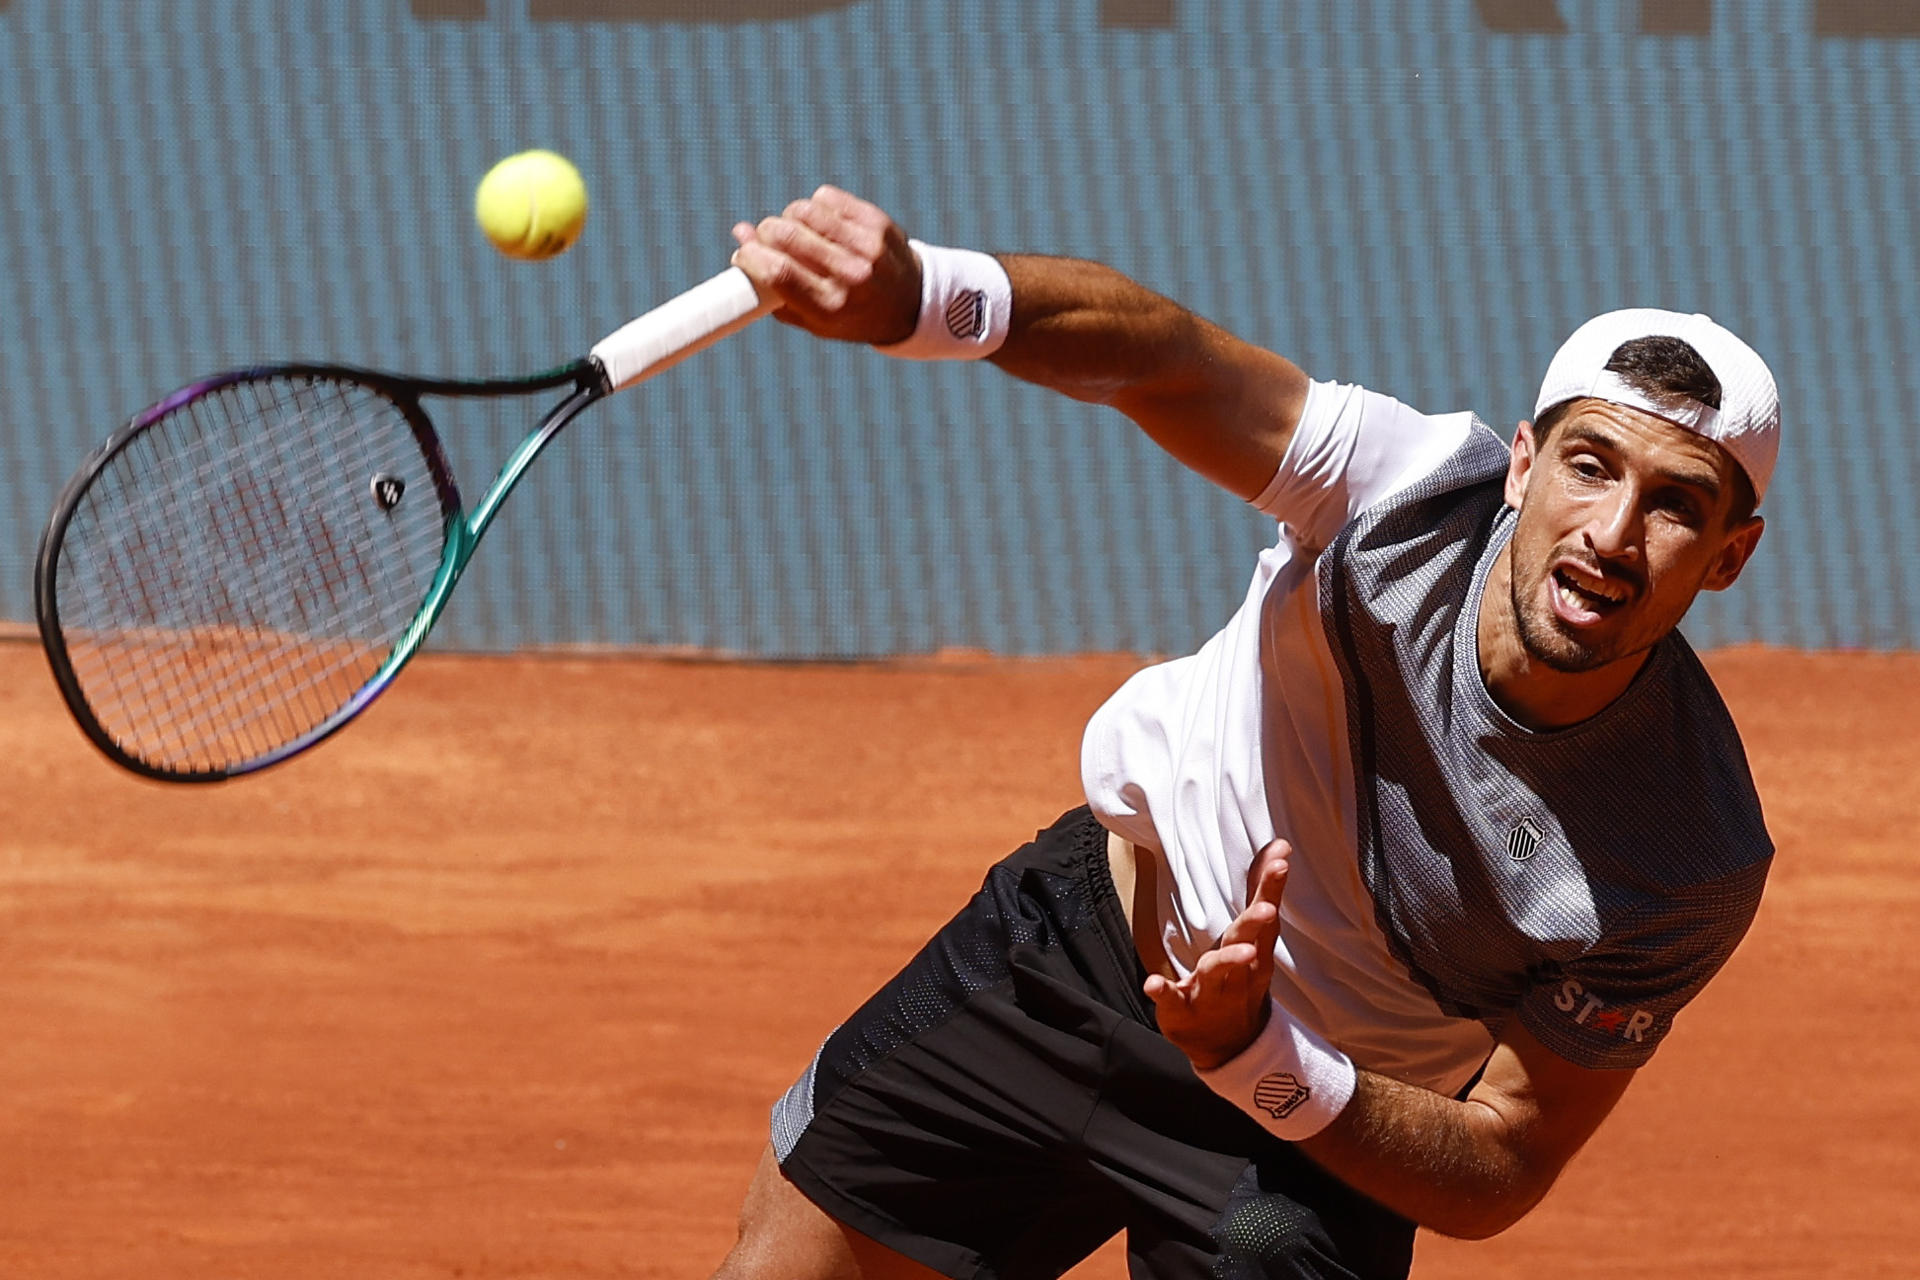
{"x":1663,"y":368}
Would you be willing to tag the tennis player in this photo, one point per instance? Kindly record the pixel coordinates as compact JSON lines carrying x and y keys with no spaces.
{"x":1379,"y":899}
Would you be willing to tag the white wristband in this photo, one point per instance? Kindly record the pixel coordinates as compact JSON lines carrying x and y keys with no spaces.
{"x":966,"y":306}
{"x":1289,"y":1079}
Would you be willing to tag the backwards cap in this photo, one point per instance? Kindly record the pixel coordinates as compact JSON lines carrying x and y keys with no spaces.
{"x":1747,"y":423}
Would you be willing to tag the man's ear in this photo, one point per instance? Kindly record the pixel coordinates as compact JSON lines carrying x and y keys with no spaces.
{"x":1520,"y":464}
{"x":1734,"y":554}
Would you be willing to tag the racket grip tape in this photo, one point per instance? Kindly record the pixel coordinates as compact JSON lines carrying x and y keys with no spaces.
{"x":676,"y":329}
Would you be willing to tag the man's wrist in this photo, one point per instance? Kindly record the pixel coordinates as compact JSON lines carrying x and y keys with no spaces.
{"x":1212,"y":1060}
{"x":966,"y":306}
{"x":1289,"y":1078}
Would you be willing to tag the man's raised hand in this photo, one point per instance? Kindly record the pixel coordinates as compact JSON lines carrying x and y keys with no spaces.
{"x":1217,"y":1010}
{"x":838,"y":267}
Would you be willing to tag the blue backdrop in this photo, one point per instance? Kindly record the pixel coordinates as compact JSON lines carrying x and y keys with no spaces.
{"x":1425,"y":197}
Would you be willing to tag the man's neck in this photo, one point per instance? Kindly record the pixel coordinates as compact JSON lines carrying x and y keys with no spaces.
{"x":1534,"y":694}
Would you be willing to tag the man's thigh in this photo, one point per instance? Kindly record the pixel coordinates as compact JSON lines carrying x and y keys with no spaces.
{"x":942,"y":1119}
{"x":785,"y":1236}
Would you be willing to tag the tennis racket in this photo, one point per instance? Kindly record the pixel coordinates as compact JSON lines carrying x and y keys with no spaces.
{"x":245,"y":566}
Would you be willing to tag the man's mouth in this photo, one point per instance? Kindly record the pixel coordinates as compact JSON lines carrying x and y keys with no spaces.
{"x":1585,"y":599}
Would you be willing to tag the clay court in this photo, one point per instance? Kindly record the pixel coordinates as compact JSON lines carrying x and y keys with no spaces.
{"x":501,"y":982}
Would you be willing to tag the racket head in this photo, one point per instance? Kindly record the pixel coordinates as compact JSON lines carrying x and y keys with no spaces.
{"x":226,"y":581}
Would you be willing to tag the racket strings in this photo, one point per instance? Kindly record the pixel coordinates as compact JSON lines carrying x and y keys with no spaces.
{"x":164,"y":582}
{"x":223,"y":662}
{"x":235,"y":575}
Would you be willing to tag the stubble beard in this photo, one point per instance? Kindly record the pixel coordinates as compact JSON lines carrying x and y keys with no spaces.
{"x":1545,"y":643}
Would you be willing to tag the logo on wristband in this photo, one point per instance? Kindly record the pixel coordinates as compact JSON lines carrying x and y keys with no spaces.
{"x":967,"y":315}
{"x":1280,"y":1094}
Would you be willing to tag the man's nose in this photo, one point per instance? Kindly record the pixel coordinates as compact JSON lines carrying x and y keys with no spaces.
{"x":1613,"y":531}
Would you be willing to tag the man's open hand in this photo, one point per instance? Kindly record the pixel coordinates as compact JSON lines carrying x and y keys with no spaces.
{"x":1217,"y":1010}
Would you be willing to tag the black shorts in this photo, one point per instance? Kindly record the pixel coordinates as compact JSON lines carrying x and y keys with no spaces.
{"x":1005,"y":1104}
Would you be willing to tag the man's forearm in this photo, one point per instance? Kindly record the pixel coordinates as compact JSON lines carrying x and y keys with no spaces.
{"x":1469,"y":1168}
{"x":1463,"y":1168}
{"x":1448,"y":1165}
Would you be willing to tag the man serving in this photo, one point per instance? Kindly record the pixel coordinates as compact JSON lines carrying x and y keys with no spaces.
{"x":1377,"y":900}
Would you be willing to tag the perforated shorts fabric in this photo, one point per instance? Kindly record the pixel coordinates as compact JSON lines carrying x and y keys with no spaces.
{"x":1005,"y":1104}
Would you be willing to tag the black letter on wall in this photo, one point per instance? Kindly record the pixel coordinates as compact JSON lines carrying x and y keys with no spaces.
{"x":1138,"y":15}
{"x":1520,"y":17}
{"x":1676,"y":17}
{"x":1866,"y":18}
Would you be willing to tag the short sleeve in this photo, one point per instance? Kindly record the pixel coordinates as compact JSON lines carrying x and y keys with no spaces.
{"x":1352,"y":448}
{"x":1612,"y":1006}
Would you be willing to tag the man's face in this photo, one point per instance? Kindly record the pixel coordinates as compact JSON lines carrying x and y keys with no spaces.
{"x":1624,"y":518}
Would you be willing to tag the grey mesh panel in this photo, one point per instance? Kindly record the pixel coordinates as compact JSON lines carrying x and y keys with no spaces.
{"x":794,"y":1112}
{"x":1592,"y":878}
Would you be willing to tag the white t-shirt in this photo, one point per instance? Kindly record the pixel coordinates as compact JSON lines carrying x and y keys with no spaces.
{"x":1203,"y":760}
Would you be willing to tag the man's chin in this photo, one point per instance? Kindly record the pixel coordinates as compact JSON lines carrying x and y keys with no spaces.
{"x":1568,"y":659}
{"x":1554,"y":649}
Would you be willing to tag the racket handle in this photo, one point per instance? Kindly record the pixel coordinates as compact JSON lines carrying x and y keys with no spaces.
{"x":675,"y":329}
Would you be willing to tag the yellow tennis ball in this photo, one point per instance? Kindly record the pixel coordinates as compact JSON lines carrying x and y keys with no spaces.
{"x":531,"y":205}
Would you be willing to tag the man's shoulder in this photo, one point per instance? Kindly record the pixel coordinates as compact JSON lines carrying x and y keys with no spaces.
{"x":1679,"y":776}
{"x":1410,"y":555}
{"x":1474,"y":458}
{"x":1704,"y":724}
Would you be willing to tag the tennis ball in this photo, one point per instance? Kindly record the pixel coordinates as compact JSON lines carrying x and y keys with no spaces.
{"x":531,"y":205}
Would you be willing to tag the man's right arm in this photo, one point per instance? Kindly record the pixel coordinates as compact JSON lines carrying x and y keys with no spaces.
{"x":840,"y":268}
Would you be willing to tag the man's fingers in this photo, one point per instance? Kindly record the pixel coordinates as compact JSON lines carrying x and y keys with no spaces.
{"x":777,"y":274}
{"x":1223,"y":972}
{"x":851,"y":207}
{"x":1171,"y":1000}
{"x":831,"y":260}
{"x":1258,"y":921}
{"x":1251,"y":924}
{"x":790,"y":278}
{"x":1267,"y":877}
{"x":861,"y":244}
{"x":824,"y":241}
{"x":1216,"y":1010}
{"x":822,"y":261}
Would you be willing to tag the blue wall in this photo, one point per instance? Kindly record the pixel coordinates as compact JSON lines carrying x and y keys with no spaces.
{"x":1425,"y":197}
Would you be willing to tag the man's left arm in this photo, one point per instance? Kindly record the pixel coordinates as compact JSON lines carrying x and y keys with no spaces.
{"x":1468,"y":1168}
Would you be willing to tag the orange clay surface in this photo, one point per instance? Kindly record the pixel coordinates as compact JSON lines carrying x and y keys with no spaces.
{"x":501,"y":982}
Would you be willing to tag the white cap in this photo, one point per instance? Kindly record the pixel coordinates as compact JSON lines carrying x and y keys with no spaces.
{"x":1747,"y":423}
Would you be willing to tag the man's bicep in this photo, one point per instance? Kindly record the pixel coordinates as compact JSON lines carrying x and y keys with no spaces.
{"x":1547,"y":1105}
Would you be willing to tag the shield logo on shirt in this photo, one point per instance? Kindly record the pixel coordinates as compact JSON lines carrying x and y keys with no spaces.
{"x":1524,"y":840}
